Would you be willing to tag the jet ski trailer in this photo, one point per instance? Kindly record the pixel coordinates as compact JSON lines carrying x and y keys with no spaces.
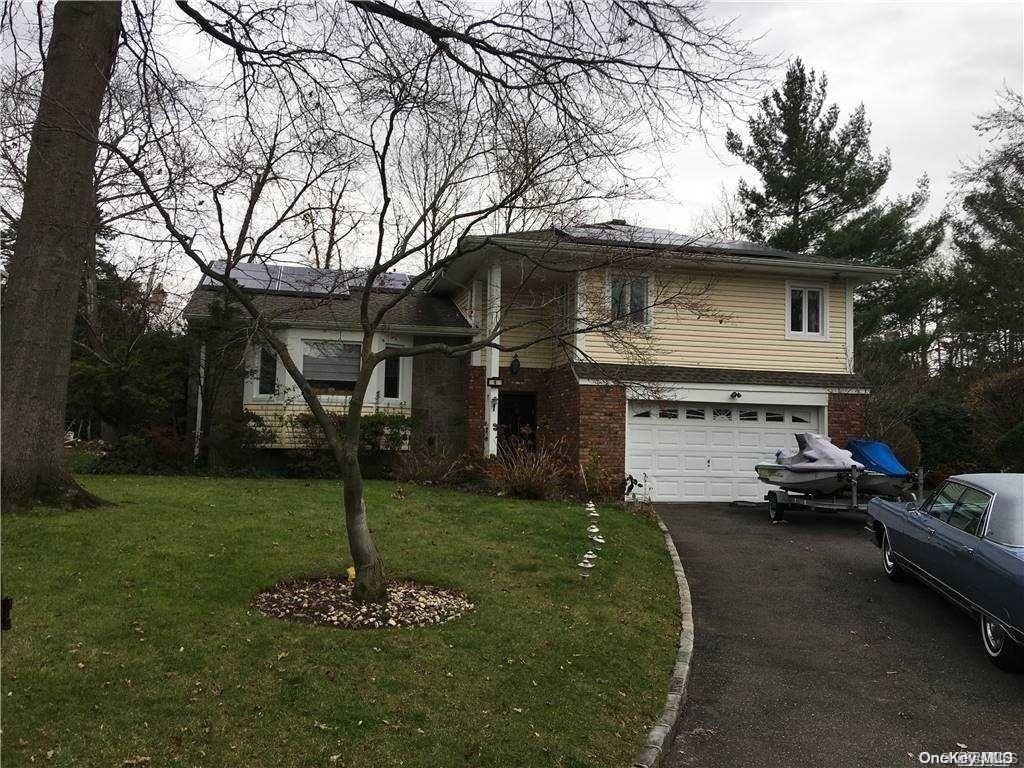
{"x":823,"y":478}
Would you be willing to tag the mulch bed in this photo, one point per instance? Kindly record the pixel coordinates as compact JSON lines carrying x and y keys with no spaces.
{"x":327,"y":601}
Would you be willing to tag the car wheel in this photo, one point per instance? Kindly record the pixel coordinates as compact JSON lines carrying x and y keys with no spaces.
{"x":892,"y":568}
{"x":999,"y":647}
{"x":776,"y":510}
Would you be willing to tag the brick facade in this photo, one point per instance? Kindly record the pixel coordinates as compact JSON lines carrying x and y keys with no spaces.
{"x":845,"y":416}
{"x":439,"y":406}
{"x":589,"y":421}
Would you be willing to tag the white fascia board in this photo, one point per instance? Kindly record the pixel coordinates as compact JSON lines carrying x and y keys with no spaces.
{"x":754,"y":394}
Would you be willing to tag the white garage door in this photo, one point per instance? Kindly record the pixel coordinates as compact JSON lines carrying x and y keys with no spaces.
{"x":707,"y":452}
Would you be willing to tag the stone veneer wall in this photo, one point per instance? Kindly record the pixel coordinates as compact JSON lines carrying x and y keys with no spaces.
{"x":440,"y":409}
{"x":845,"y":416}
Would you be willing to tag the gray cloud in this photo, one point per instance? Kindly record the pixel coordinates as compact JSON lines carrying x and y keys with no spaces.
{"x":924,"y":71}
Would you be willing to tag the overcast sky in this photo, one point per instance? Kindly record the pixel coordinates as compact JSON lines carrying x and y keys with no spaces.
{"x":924,"y":71}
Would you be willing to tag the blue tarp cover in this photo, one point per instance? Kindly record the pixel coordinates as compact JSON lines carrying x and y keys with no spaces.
{"x":877,"y":457}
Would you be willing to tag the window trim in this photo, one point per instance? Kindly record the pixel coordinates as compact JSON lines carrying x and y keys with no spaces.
{"x":403,"y":372}
{"x":794,"y":285}
{"x":255,"y":396}
{"x":648,"y":319}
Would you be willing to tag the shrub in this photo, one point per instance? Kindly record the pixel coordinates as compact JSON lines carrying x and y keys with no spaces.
{"x":527,"y":472}
{"x":235,"y":441}
{"x":1010,"y":449}
{"x":997,"y":407}
{"x":154,"y":450}
{"x":428,"y":465}
{"x":945,"y":432}
{"x":905,"y":445}
{"x":377,"y":431}
{"x":601,"y":484}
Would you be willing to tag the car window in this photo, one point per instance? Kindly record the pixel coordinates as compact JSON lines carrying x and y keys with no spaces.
{"x":943,"y":501}
{"x":1006,"y":523}
{"x":969,"y":510}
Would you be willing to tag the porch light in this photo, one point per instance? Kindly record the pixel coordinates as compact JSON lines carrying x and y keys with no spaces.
{"x":598,"y":542}
{"x":585,"y":566}
{"x":514,"y":366}
{"x":593,"y":530}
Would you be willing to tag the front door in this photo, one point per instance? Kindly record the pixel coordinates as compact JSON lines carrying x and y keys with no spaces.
{"x":517,"y":416}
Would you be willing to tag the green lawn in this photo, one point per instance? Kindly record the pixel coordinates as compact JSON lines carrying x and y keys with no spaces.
{"x":133,"y":636}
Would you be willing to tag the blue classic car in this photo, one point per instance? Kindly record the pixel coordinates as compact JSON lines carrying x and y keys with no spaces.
{"x":967,"y":541}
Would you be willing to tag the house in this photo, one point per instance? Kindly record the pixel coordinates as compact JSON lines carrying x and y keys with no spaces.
{"x":757,"y":345}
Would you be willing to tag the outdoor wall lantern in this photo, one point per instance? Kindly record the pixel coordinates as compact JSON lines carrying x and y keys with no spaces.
{"x":514,"y":366}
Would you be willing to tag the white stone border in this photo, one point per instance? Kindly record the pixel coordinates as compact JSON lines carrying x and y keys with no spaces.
{"x":660,"y":737}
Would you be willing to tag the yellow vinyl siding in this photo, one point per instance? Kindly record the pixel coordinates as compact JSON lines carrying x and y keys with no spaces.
{"x":279,"y":418}
{"x":752,"y":335}
{"x":538,"y":355}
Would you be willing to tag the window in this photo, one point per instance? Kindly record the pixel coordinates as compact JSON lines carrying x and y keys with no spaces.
{"x":774,"y":416}
{"x":748,"y":415}
{"x":806,"y":313}
{"x":1005,"y":523}
{"x":800,"y":417}
{"x":644,"y":414}
{"x":943,"y":500}
{"x":721,"y":414}
{"x":392,"y":370}
{"x":695,"y":414}
{"x":331,"y":367}
{"x":668,"y":413}
{"x":268,"y":371}
{"x":967,"y":513}
{"x":629,"y":299}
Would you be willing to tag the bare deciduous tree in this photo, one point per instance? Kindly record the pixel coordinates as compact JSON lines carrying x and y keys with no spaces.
{"x":423,"y":126}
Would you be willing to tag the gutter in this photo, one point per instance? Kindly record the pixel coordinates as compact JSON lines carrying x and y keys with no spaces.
{"x":771,"y":264}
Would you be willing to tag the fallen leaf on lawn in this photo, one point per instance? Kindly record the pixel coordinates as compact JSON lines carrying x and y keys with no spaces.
{"x":137,"y":760}
{"x":517,"y":709}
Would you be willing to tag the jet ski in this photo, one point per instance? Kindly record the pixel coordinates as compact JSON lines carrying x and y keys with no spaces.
{"x":818,"y":468}
{"x":883,"y":474}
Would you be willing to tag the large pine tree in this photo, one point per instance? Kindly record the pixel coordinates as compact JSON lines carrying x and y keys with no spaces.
{"x":815,"y":173}
{"x":819,"y":190}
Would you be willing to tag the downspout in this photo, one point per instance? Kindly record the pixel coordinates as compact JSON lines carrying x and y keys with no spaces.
{"x":199,"y":403}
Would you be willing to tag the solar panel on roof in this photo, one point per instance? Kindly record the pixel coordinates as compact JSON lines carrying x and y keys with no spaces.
{"x":306,"y":281}
{"x":665,"y":238}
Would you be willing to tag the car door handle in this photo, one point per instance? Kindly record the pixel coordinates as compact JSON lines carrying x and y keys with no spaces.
{"x":965,"y":551}
{"x":931,"y":531}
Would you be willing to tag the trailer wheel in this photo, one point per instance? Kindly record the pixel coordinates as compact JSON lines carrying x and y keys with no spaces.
{"x":776,"y":509}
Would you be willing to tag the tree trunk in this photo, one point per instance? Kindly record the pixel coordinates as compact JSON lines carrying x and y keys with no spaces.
{"x":371,"y":581}
{"x":56,"y":224}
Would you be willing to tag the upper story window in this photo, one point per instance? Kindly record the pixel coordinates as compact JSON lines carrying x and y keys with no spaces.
{"x":805,"y":312}
{"x":267,"y":381}
{"x":331,"y":367}
{"x":629,"y":299}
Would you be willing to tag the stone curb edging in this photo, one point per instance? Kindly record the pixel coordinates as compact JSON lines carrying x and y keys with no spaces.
{"x":660,"y":737}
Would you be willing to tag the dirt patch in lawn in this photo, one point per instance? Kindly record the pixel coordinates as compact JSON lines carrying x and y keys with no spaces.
{"x":327,"y":601}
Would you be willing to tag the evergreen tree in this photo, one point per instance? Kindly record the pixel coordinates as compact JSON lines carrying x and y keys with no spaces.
{"x":819,"y":191}
{"x":814,"y":173}
{"x":985,"y":302}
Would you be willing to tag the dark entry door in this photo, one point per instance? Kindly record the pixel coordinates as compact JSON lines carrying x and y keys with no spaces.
{"x":517,"y":415}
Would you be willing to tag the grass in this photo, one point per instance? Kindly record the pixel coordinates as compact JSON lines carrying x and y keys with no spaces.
{"x":133,"y":637}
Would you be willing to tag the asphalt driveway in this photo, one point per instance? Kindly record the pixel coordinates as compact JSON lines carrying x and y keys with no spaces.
{"x":807,"y":655}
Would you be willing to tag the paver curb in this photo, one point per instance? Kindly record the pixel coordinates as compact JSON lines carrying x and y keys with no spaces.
{"x":660,"y":737}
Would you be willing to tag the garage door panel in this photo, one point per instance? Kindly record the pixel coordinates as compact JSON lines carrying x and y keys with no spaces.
{"x":709,"y":459}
